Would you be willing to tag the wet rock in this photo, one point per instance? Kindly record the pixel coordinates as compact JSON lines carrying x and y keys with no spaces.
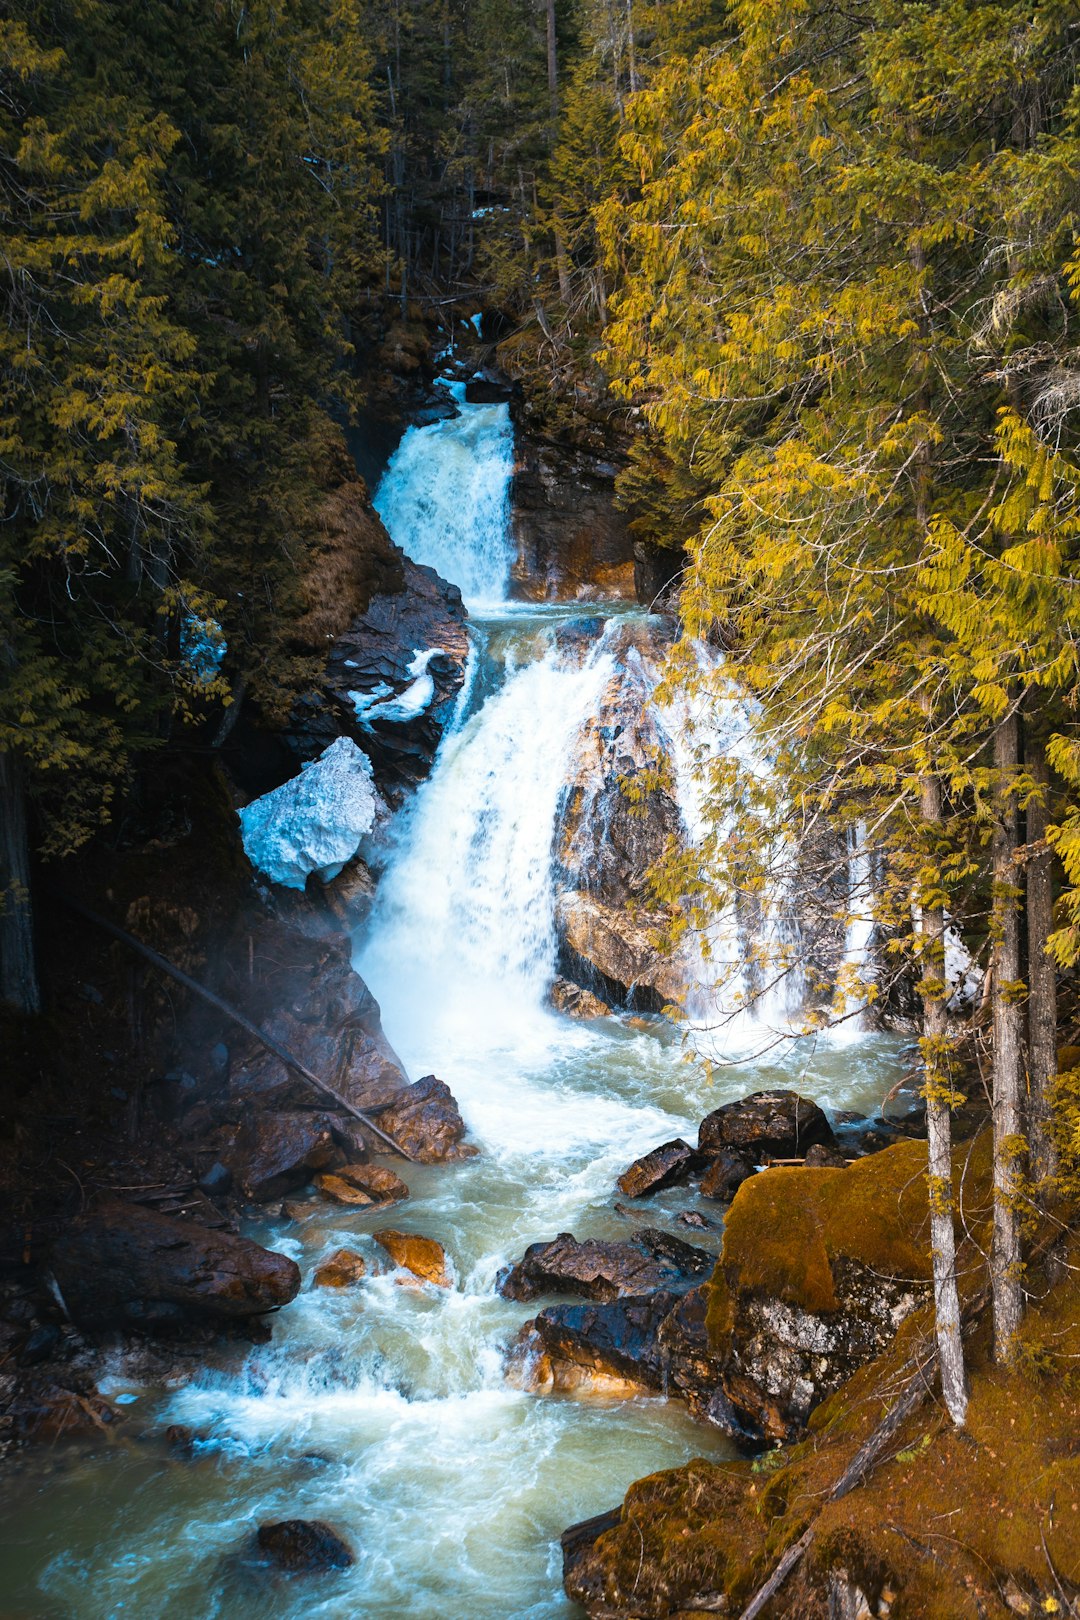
{"x":602,"y":1344}
{"x":726,"y":1173}
{"x":215,"y":1181}
{"x":606,"y":1271}
{"x":767,"y":1125}
{"x":276,"y":1153}
{"x":303,"y":1546}
{"x":371,"y":1186}
{"x":125,"y":1264}
{"x":579,"y":1539}
{"x":616,"y":945}
{"x":664,"y":1166}
{"x":181,"y":1439}
{"x":341,"y":1269}
{"x":422,"y":1256}
{"x":695,"y":1220}
{"x":571,"y":538}
{"x":426,"y":1121}
{"x":42,"y":1342}
{"x":820,"y":1157}
{"x":576,"y":1002}
{"x":43,"y":1410}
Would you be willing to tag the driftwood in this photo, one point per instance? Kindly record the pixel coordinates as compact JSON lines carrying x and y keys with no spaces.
{"x":233,"y":1013}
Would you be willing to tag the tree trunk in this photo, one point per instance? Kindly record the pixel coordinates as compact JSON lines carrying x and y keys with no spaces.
{"x":1009,"y":1144}
{"x":18,"y":974}
{"x":552,"y":67}
{"x":935,"y":1045}
{"x":1042,"y":979}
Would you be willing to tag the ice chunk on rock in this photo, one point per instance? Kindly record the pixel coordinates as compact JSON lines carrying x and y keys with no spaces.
{"x":315,"y":822}
{"x":408,"y":705}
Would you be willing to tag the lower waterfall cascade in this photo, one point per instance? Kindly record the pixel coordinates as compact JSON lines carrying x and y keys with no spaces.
{"x":387,"y":1410}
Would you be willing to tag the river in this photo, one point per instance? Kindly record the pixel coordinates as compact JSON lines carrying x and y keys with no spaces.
{"x":385,"y":1409}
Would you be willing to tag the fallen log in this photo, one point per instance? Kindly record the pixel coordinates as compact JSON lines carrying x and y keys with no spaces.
{"x":263,"y":1036}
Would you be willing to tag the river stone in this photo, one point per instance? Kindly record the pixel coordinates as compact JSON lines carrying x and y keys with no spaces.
{"x":276,"y":1153}
{"x":767,"y":1125}
{"x":664,"y":1166}
{"x":426,"y":1121}
{"x":576,"y":1002}
{"x":606,"y":1271}
{"x":726,"y":1173}
{"x":303,"y":1546}
{"x":820,"y":1157}
{"x":125,"y":1264}
{"x":340,"y":1269}
{"x":617,"y":1341}
{"x":422,"y":1256}
{"x":369,"y":1185}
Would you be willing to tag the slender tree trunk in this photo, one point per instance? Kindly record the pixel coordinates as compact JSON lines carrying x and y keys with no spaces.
{"x":18,"y":974}
{"x":1009,"y":1145}
{"x":552,"y":67}
{"x":935,"y":1044}
{"x":1042,"y":978}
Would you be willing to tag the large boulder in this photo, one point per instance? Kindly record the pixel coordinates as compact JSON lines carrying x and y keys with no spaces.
{"x":316,"y":821}
{"x":767,"y":1125}
{"x":275,"y":1153}
{"x":819,"y":1268}
{"x":368,"y":1186}
{"x":121,"y":1264}
{"x":664,"y":1166}
{"x":341,"y":1269}
{"x":426,"y":1121}
{"x":606,"y":1271}
{"x":303,"y":1546}
{"x":422,"y":1256}
{"x":600,"y":1346}
{"x":615,"y":823}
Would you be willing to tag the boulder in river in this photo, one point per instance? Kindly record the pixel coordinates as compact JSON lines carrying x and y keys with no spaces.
{"x":614,"y":1344}
{"x":422,"y":1256}
{"x":575,"y":1001}
{"x":371,"y":1186}
{"x":664,"y":1166}
{"x":341,"y":1269}
{"x":426,"y":1121}
{"x":606,"y":1271}
{"x":726,"y":1173}
{"x":303,"y":1546}
{"x":767,"y":1125}
{"x":122,"y":1264}
{"x":274,"y":1153}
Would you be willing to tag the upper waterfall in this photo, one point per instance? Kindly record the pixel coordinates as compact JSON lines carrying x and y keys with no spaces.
{"x":445,"y":498}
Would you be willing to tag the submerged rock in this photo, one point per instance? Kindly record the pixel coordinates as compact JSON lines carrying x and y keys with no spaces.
{"x":125,"y":1264}
{"x":664,"y":1166}
{"x":303,"y":1546}
{"x":371,"y":1186}
{"x":422,"y":1256}
{"x":767,"y":1125}
{"x":316,"y":821}
{"x":341,"y":1269}
{"x":606,"y":1271}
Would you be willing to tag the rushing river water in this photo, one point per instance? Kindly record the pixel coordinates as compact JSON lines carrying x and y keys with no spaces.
{"x":385,"y":1409}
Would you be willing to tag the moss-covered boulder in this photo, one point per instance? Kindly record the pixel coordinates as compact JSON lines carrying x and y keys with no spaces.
{"x":818,"y":1270}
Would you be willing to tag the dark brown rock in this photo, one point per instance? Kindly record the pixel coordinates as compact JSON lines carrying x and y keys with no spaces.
{"x":606,"y":1271}
{"x":425,"y":1119}
{"x":341,"y":1269}
{"x":125,"y":1264}
{"x":571,"y":537}
{"x":579,"y":1539}
{"x":303,"y":1546}
{"x":726,"y":1173}
{"x":664,"y":1166}
{"x":576,"y":1002}
{"x":44,"y":1410}
{"x":767,"y":1125}
{"x":371,"y":1186}
{"x":275,"y":1153}
{"x":820,"y":1157}
{"x":422,"y":1256}
{"x":603,"y":1343}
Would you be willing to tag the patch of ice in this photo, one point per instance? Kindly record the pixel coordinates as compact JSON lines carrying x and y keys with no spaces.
{"x":315,"y":822}
{"x":408,"y":705}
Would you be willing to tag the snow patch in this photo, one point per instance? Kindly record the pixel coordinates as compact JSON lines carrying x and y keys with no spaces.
{"x":408,"y":705}
{"x":314,"y":823}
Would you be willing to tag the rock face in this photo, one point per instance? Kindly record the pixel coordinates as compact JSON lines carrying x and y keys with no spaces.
{"x":371,"y":1186}
{"x":606,"y":1271}
{"x":422,"y":1256}
{"x":766,"y":1125}
{"x":664,"y":1166}
{"x":303,"y":1546}
{"x":610,"y":836}
{"x":316,"y":821}
{"x":571,"y":539}
{"x":341,"y":1269}
{"x":277,"y":1152}
{"x":425,"y":1119}
{"x":125,"y":1265}
{"x":575,"y":1001}
{"x":819,"y":1268}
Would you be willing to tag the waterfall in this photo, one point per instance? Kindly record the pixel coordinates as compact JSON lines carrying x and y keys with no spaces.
{"x":445,"y":498}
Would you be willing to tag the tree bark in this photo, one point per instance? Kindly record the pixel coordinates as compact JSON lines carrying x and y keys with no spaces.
{"x":935,"y":1045}
{"x":552,"y":66}
{"x":1042,"y":979}
{"x":1009,"y":1144}
{"x":18,"y":973}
